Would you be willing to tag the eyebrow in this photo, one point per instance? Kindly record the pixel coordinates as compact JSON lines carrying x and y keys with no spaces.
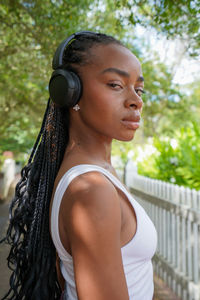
{"x":118,"y":71}
{"x":121,"y":73}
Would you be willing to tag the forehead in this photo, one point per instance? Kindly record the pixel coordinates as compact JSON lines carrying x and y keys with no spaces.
{"x":114,"y":56}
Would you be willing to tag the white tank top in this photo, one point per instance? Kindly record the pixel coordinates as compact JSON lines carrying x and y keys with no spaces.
{"x":136,"y":255}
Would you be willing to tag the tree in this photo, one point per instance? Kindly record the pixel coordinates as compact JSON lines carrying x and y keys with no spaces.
{"x":176,"y":19}
{"x":175,"y":160}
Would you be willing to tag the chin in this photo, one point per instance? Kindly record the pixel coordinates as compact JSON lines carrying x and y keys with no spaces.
{"x":127,"y":138}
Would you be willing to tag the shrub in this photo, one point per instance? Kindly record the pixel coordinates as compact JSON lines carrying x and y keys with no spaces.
{"x":175,"y":160}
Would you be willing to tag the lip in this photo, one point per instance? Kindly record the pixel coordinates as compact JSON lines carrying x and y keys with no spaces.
{"x":131,"y":124}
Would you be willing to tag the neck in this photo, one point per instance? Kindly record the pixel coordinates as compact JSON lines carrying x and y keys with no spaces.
{"x":88,"y":144}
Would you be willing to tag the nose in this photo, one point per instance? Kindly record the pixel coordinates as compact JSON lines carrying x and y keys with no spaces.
{"x":134,"y":101}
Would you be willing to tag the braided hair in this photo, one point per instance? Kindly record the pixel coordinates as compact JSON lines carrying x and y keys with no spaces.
{"x":32,"y":256}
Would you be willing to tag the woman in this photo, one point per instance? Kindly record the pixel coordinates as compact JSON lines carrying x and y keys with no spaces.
{"x":103,"y":237}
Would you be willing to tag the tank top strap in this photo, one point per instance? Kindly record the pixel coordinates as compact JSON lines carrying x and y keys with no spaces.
{"x":60,"y":190}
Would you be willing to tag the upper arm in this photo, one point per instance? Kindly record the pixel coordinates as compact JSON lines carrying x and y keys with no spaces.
{"x":93,"y":229}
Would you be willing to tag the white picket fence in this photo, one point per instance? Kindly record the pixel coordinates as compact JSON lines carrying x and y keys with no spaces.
{"x":175,"y":212}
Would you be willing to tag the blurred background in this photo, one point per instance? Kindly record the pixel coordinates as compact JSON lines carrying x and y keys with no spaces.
{"x":165,"y":36}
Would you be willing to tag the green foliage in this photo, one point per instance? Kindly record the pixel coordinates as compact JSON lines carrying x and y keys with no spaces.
{"x":175,"y":163}
{"x":2,"y":158}
{"x":175,"y":19}
{"x":121,"y":149}
{"x":162,"y":100}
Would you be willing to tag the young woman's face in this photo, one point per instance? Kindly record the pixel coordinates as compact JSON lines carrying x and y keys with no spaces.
{"x":112,"y":88}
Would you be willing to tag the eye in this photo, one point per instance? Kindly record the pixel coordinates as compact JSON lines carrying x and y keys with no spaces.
{"x":114,"y":86}
{"x":140,"y":91}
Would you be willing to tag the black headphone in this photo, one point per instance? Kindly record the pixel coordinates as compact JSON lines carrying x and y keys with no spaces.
{"x":65,"y":86}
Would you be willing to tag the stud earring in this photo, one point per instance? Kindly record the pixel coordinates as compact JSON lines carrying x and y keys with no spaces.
{"x":76,"y":107}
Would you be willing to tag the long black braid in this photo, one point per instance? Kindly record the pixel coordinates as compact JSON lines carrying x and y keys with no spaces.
{"x":32,"y":256}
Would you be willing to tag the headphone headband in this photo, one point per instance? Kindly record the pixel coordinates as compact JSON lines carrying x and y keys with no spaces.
{"x":58,"y":56}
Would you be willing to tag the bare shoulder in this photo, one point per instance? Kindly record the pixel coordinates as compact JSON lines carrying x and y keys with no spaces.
{"x":90,"y":180}
{"x":92,"y":191}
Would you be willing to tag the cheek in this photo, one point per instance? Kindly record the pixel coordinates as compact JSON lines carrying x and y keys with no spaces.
{"x":98,"y":102}
{"x":102,"y":109}
{"x":97,"y":114}
{"x":103,"y":114}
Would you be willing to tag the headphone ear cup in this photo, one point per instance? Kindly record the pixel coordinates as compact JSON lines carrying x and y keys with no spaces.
{"x":65,"y":88}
